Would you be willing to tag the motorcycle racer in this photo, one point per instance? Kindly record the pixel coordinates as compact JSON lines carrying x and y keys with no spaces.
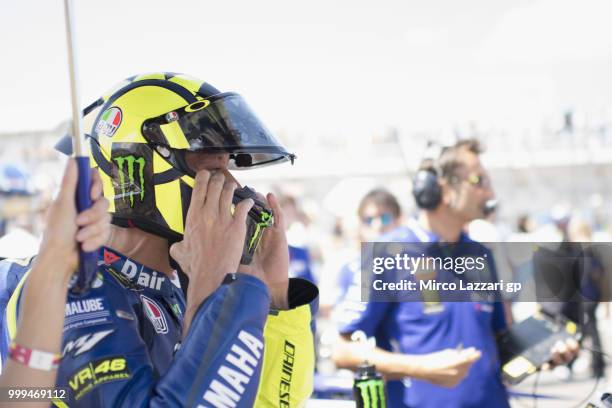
{"x":163,"y":145}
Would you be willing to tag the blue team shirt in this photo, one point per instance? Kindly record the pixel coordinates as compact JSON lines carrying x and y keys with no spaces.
{"x":414,"y":328}
{"x":300,"y":264}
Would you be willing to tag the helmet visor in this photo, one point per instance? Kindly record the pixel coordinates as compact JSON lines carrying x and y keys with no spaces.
{"x":221,"y":123}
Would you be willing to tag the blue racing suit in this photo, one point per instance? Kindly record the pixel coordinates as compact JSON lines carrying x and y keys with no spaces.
{"x":122,"y":341}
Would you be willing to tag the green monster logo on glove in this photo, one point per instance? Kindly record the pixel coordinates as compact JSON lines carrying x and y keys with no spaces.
{"x":266,"y":221}
{"x":130,"y":161}
{"x":372,"y":393}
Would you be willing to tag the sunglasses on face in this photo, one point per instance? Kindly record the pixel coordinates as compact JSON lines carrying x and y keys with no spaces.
{"x":479,"y":180}
{"x":385,"y":219}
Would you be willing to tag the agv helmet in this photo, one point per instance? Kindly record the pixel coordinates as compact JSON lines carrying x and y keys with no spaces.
{"x":140,"y":131}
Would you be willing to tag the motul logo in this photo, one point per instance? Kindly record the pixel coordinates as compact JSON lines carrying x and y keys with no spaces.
{"x":155,"y":314}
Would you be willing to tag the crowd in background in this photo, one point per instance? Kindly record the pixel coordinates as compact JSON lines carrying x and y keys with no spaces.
{"x":324,"y":240}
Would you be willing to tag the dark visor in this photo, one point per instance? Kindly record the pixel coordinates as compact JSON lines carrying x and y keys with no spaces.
{"x":221,"y":123}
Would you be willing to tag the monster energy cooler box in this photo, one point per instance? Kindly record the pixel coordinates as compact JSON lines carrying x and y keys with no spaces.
{"x":369,"y":388}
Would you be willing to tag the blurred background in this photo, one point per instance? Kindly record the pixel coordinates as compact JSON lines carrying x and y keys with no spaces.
{"x":359,"y":91}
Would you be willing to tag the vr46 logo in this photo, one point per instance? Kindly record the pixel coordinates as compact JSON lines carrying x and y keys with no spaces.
{"x":127,"y":165}
{"x":98,"y":372}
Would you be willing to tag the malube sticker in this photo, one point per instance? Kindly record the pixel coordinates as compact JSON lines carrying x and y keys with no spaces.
{"x":109,"y":122}
{"x":155,"y":314}
{"x":85,"y":312}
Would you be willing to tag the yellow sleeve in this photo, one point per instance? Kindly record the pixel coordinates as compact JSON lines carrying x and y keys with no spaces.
{"x":17,"y":273}
{"x":287,"y":373}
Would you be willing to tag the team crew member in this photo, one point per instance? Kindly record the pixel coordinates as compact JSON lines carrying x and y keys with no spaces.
{"x":37,"y":344}
{"x":379,"y":213}
{"x":446,"y":352}
{"x":163,"y":144}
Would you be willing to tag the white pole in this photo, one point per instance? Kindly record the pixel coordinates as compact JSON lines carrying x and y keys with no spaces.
{"x":77,"y":122}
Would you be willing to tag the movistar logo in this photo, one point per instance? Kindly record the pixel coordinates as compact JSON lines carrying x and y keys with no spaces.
{"x":372,"y":393}
{"x":130,"y":162}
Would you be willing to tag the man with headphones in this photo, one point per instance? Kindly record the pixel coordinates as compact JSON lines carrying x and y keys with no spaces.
{"x":445,"y":352}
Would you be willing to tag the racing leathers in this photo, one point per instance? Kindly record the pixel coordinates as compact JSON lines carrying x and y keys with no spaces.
{"x":122,"y":341}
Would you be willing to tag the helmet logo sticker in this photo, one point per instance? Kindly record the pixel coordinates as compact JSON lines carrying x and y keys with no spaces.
{"x":172,"y":116}
{"x":154,"y":314}
{"x":196,"y":106}
{"x":109,"y":122}
{"x":129,"y":187}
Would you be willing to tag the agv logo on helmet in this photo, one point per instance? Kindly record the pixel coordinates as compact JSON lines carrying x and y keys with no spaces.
{"x":109,"y":122}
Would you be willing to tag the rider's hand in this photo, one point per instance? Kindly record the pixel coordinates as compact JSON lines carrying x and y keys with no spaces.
{"x":446,"y":368}
{"x":65,"y":228}
{"x":271,"y":260}
{"x":214,"y":237}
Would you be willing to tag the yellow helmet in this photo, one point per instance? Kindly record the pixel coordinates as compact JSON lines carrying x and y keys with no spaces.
{"x":139,"y":134}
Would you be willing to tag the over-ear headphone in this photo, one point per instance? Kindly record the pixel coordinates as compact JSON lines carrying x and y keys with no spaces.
{"x":428,"y":194}
{"x":426,"y":189}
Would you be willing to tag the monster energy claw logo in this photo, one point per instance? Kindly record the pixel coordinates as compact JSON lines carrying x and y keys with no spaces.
{"x":266,"y":221}
{"x":134,"y":189}
{"x":372,"y":393}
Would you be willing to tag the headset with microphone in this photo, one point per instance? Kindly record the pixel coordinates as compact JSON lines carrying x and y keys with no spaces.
{"x":426,"y":188}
